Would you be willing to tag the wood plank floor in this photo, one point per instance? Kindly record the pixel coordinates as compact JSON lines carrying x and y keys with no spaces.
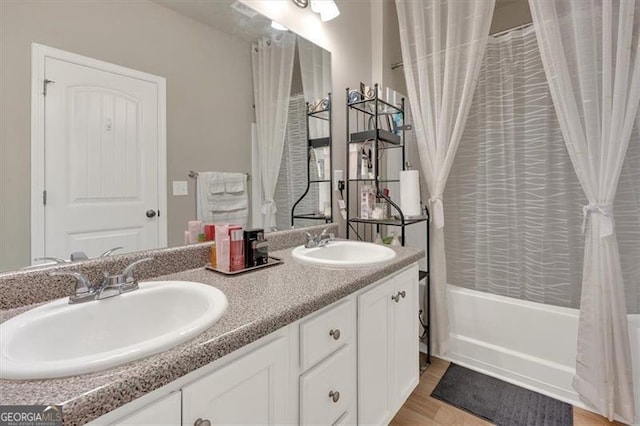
{"x":422,"y":409}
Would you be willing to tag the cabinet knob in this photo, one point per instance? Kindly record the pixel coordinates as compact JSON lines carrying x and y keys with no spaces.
{"x":335,"y":334}
{"x":403,"y":294}
{"x":396,"y":298}
{"x":334,"y":395}
{"x":201,"y":422}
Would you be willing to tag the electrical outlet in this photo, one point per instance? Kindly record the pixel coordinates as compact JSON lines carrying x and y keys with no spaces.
{"x":338,"y":175}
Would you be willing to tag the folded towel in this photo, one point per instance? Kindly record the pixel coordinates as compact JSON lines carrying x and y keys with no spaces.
{"x":235,"y":182}
{"x":214,"y":182}
{"x":229,"y":202}
{"x":215,"y":205}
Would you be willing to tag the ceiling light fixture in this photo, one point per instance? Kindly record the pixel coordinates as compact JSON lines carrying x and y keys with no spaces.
{"x":326,"y":8}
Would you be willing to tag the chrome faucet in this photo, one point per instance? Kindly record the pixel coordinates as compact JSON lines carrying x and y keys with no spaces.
{"x":318,"y":240}
{"x":74,"y":257}
{"x":108,"y":252}
{"x":111,"y":285}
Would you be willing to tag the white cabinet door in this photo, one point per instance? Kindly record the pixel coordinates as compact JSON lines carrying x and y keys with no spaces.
{"x":405,"y":349}
{"x":374,"y":355}
{"x":250,"y":390}
{"x":163,"y":412}
{"x":388,"y":369}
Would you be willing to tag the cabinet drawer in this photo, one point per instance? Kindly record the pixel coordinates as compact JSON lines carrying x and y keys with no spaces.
{"x":321,"y":335}
{"x":328,"y":390}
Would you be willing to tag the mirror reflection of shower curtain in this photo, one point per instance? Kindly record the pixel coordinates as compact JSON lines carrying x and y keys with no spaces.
{"x":272,"y":63}
{"x":315,"y":69}
{"x":292,"y":180}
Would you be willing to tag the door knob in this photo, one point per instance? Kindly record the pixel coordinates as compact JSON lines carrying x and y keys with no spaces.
{"x":403,"y":294}
{"x":396,"y":298}
{"x":335,"y":334}
{"x":335,"y":396}
{"x":151,"y":213}
{"x":201,"y":422}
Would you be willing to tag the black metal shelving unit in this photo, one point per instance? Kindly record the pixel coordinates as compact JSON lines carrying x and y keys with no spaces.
{"x":364,"y":125}
{"x":321,"y":142}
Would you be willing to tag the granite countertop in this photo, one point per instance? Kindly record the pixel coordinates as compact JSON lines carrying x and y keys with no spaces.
{"x":260,"y":303}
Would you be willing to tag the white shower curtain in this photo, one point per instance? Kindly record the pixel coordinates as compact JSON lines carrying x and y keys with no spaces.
{"x":272,"y":60}
{"x":591,"y":57}
{"x":442,"y":47}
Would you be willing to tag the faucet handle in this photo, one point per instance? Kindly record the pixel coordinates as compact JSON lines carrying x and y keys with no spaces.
{"x":128,"y":271}
{"x":78,"y":255}
{"x":83,"y":285}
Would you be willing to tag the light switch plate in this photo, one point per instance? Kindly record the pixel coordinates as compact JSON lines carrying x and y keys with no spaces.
{"x":180,"y":187}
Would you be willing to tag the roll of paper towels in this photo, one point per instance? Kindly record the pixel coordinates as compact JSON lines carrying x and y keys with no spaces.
{"x":410,"y":193}
{"x":324,"y":198}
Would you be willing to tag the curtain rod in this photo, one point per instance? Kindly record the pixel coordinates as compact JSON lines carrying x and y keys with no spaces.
{"x":400,"y":64}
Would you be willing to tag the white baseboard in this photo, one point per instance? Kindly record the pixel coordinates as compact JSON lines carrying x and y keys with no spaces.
{"x":528,"y":344}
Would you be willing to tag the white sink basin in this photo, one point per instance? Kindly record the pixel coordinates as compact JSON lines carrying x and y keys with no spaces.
{"x":344,"y":253}
{"x":59,"y":339}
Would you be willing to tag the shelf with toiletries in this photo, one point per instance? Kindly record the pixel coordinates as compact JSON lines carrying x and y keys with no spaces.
{"x":368,"y":104}
{"x":319,"y":166}
{"x":373,"y":126}
{"x":381,"y":193}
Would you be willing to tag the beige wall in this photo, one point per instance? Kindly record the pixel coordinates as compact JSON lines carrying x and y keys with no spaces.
{"x":509,"y":14}
{"x":208,"y":122}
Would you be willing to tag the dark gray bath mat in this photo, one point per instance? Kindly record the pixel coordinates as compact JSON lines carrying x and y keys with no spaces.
{"x":500,"y":402}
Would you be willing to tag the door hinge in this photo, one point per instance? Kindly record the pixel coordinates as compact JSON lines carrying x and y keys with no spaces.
{"x":44,"y":198}
{"x":44,"y":85}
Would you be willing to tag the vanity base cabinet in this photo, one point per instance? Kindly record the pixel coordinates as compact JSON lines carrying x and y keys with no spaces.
{"x":388,"y":364}
{"x":251,"y":390}
{"x":353,"y":362}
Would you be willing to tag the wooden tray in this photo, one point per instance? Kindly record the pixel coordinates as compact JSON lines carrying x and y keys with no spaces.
{"x":271,"y":262}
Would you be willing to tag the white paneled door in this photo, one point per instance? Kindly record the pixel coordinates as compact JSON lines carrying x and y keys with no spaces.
{"x":103,"y":158}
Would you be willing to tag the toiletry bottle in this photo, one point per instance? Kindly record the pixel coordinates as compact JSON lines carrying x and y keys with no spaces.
{"x":222,"y":256}
{"x":236,"y":250}
{"x":378,"y":239}
{"x":212,"y":255}
{"x":195,"y":228}
{"x":221,"y":231}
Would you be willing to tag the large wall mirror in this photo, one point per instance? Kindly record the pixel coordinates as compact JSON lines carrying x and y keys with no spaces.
{"x":203,"y":51}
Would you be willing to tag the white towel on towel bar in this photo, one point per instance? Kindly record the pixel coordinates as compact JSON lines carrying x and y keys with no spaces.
{"x":215,"y":205}
{"x":235,"y":182}
{"x":214,"y":182}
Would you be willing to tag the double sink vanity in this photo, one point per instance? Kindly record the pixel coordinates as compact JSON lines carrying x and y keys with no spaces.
{"x":328,"y":337}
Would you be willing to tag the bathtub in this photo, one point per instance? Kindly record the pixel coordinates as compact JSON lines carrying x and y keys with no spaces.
{"x":529,"y":344}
